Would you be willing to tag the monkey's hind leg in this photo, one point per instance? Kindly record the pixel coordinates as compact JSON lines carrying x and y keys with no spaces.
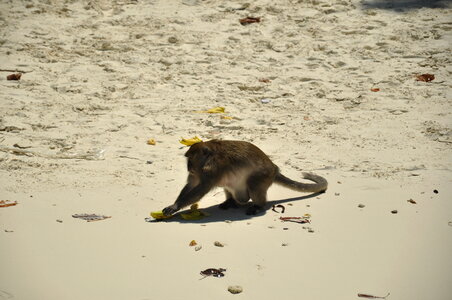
{"x":257,"y":188}
{"x":229,"y":203}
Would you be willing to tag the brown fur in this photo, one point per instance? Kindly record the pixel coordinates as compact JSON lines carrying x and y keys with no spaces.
{"x":242,"y":169}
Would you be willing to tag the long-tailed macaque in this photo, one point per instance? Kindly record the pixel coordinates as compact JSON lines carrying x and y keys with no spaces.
{"x":242,"y":169}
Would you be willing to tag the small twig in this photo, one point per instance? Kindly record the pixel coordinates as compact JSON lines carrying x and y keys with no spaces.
{"x":280,"y":206}
{"x":372,"y":297}
{"x":300,"y":220}
{"x":21,"y":147}
{"x":129,"y":157}
{"x":444,"y":141}
{"x":16,"y":70}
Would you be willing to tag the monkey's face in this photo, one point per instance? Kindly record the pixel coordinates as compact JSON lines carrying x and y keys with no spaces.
{"x":196,"y":163}
{"x":197,"y":158}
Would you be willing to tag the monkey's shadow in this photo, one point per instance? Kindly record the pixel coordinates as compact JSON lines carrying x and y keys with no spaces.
{"x":215,"y":214}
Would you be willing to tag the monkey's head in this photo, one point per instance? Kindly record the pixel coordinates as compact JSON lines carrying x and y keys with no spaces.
{"x":200,"y":158}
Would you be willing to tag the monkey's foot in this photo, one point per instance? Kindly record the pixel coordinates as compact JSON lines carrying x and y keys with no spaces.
{"x":253,"y":210}
{"x":170,"y":210}
{"x":229,"y":203}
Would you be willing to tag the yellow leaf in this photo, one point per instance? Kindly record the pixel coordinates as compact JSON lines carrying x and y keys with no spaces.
{"x":151,"y":142}
{"x":158,"y":215}
{"x":215,"y":110}
{"x":194,"y":215}
{"x":192,"y":141}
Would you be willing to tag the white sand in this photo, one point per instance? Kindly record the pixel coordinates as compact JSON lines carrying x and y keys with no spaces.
{"x":106,"y":76}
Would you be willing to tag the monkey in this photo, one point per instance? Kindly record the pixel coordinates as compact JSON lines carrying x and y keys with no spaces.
{"x":244,"y":172}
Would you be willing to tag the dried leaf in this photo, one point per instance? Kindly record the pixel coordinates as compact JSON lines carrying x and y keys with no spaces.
{"x":425,"y":77}
{"x":193,"y":243}
{"x":411,"y":201}
{"x":151,"y":142}
{"x":265,"y":80}
{"x":249,"y":20}
{"x":7,"y":203}
{"x":213,"y":272}
{"x":375,"y":89}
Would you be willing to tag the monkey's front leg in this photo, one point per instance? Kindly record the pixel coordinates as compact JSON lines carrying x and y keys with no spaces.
{"x":168,"y":211}
{"x":189,"y":195}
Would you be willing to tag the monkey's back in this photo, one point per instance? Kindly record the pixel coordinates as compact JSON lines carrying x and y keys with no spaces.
{"x":241,"y":154}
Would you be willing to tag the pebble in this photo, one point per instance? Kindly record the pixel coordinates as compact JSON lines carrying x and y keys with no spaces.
{"x":361,"y":206}
{"x":394,"y":211}
{"x":218,"y":244}
{"x":172,"y":40}
{"x":235,"y":289}
{"x":106,"y":46}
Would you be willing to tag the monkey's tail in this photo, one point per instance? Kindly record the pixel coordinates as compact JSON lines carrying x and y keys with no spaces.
{"x":320,"y":184}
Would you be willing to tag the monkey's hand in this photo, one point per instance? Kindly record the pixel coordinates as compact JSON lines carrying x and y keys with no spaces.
{"x":170,"y":210}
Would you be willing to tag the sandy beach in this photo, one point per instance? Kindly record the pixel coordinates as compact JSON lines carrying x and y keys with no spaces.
{"x":340,"y":88}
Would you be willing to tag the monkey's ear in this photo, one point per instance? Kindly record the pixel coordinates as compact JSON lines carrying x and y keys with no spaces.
{"x":195,"y":148}
{"x":208,"y":158}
